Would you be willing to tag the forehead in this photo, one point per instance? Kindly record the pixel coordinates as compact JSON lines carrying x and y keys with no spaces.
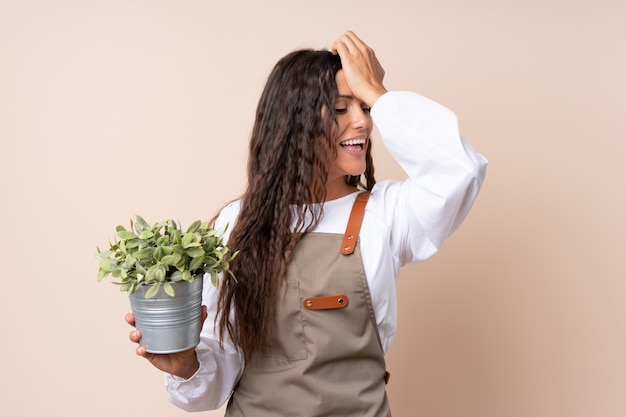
{"x":342,"y":85}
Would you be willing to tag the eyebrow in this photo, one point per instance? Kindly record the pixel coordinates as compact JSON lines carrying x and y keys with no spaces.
{"x":348,"y":97}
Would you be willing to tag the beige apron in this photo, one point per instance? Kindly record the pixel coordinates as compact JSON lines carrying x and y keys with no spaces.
{"x":325,"y":358}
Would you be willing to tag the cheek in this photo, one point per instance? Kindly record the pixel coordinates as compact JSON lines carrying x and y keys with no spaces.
{"x":341,"y":125}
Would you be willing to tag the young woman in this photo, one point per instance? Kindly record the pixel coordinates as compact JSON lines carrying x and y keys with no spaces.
{"x":304,"y":330}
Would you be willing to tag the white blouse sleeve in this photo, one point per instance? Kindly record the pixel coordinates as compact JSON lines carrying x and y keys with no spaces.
{"x":444,"y":172}
{"x":220,"y":366}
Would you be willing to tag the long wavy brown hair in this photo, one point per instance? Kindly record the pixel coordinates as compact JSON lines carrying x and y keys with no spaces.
{"x":290,"y":154}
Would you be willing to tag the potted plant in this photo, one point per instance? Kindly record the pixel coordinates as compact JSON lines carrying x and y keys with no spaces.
{"x":162,"y":267}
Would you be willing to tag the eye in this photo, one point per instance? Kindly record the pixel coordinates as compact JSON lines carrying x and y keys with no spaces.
{"x":366,"y":109}
{"x":342,"y":110}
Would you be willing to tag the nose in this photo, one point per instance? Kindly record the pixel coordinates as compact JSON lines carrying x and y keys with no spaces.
{"x":361,"y":119}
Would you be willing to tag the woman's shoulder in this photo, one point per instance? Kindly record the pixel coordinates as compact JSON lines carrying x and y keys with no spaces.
{"x":231,"y":209}
{"x":227,"y":217}
{"x":385,"y":193}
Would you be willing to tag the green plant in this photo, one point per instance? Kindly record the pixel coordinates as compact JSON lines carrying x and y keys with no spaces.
{"x":161,"y":253}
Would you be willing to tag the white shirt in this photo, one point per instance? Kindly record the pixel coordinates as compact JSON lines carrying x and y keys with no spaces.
{"x":404,"y":222}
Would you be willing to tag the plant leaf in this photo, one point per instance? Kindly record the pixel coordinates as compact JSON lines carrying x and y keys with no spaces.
{"x":215,"y":280}
{"x":150,"y":274}
{"x":158,"y":253}
{"x":187,"y":240}
{"x":169,"y":290}
{"x":195,"y":252}
{"x":196,"y":263}
{"x":108,"y":265}
{"x":144,"y":254}
{"x":152,"y":291}
{"x":102,"y":274}
{"x":172,"y":259}
{"x":160,"y":272}
{"x":194,"y":226}
{"x":146,"y":234}
{"x":141,"y":223}
{"x":187,"y":276}
{"x":126,"y":235}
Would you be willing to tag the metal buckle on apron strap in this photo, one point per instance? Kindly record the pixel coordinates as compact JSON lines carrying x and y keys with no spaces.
{"x":354,"y":224}
{"x":328,"y":302}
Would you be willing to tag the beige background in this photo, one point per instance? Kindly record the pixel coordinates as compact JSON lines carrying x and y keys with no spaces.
{"x":112,"y":108}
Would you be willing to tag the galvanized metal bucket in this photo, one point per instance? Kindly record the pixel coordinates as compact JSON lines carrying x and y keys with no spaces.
{"x":169,"y":324}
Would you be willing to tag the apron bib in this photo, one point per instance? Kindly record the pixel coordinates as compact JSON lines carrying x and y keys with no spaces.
{"x":325,"y":357}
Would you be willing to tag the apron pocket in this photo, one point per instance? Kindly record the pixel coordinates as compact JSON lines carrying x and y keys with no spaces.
{"x":288,"y":341}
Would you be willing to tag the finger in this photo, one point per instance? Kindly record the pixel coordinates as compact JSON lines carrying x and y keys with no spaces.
{"x":141,"y":351}
{"x":355,"y":41}
{"x":130,"y":319}
{"x":338,"y":47}
{"x":349,"y":44}
{"x":135,"y":336}
{"x":204,"y":313}
{"x":356,"y":44}
{"x":344,"y":43}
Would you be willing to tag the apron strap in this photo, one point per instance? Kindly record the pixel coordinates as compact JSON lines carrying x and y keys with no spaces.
{"x":349,"y":244}
{"x":354,"y":224}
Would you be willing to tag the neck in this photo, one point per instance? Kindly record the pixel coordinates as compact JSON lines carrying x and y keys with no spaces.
{"x":338,"y":188}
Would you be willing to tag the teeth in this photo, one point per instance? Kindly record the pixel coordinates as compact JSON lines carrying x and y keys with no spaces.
{"x":351,"y":142}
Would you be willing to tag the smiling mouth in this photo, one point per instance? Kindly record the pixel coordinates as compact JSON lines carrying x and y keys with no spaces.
{"x":353,"y":143}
